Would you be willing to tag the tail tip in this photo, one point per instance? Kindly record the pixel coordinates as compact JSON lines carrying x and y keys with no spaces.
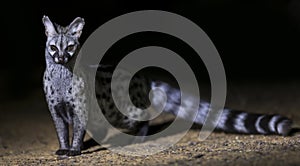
{"x":284,"y":127}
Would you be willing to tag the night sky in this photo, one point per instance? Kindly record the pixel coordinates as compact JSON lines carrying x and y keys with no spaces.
{"x":254,"y":38}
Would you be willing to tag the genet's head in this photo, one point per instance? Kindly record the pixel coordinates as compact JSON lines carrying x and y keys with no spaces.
{"x":62,"y":42}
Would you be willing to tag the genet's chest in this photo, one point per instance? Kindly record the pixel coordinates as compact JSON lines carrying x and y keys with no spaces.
{"x":57,"y":80}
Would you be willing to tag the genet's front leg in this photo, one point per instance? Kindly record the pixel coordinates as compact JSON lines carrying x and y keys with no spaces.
{"x":79,"y":126}
{"x":78,"y":106}
{"x":62,"y":131}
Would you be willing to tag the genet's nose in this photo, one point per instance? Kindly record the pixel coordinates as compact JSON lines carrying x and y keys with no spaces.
{"x":60,"y":54}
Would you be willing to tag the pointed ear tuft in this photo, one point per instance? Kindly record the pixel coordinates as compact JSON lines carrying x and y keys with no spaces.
{"x":75,"y":28}
{"x":49,"y":27}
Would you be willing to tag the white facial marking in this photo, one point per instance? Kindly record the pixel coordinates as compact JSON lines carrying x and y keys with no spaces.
{"x":71,"y":42}
{"x":51,"y":52}
{"x":52,"y":42}
{"x":56,"y":59}
{"x":71,"y":53}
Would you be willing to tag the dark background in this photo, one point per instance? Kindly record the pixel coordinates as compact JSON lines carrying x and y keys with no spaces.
{"x":255,"y":39}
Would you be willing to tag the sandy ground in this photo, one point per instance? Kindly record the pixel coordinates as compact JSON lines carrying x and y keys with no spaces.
{"x":27,"y":136}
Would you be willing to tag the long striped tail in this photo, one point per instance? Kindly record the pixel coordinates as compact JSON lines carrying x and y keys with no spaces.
{"x":229,"y":121}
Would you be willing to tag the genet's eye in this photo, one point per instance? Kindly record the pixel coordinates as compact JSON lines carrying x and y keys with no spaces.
{"x":53,"y":48}
{"x":70,"y":48}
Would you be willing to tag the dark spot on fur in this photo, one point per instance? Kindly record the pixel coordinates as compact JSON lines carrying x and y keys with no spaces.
{"x":139,"y":95}
{"x":102,"y":79}
{"x":134,"y":85}
{"x":70,"y":90}
{"x":51,"y":90}
{"x":103,"y":111}
{"x":104,"y":96}
{"x":111,"y":115}
{"x":111,"y":106}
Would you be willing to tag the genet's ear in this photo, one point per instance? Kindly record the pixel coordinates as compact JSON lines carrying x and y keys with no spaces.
{"x":49,"y":27}
{"x":75,"y":28}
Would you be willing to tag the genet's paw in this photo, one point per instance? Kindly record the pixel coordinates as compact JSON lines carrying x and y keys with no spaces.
{"x":73,"y":152}
{"x":62,"y":152}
